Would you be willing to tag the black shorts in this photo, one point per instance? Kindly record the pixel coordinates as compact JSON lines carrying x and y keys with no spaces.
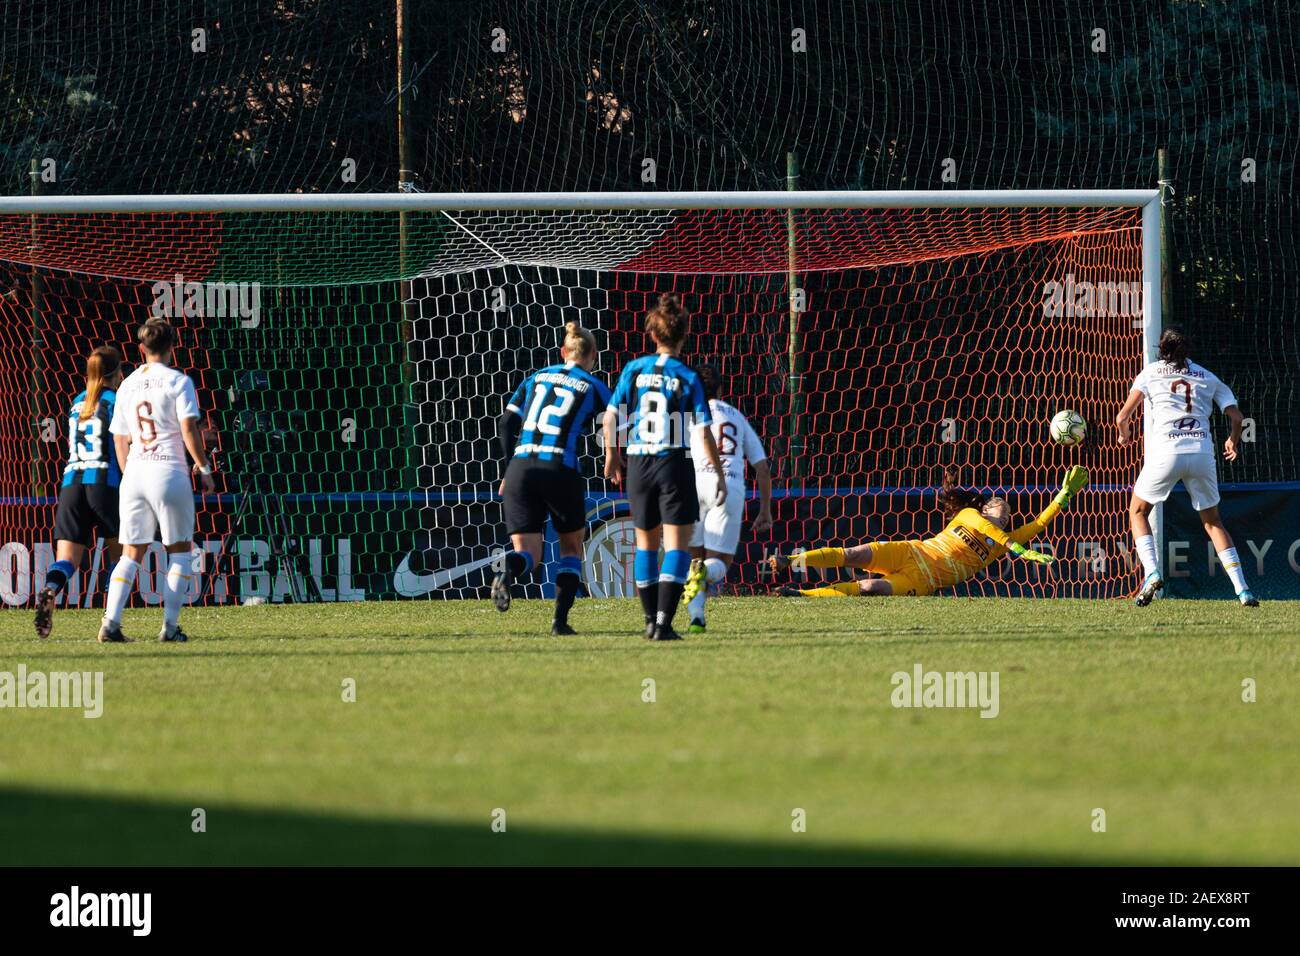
{"x":83,"y":510}
{"x":662,"y":490}
{"x":536,"y":489}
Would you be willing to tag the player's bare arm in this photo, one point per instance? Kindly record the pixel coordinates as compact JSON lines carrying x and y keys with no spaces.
{"x":192,"y":435}
{"x":613,"y":453}
{"x":1232,"y":443}
{"x":122,"y":446}
{"x":1124,"y":420}
{"x":763,"y":478}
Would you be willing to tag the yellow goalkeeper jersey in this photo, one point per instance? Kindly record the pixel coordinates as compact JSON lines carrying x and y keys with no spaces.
{"x":967,"y":545}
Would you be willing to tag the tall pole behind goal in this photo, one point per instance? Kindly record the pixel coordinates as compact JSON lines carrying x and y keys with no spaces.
{"x":404,"y":184}
{"x":37,"y":344}
{"x":793,"y":296}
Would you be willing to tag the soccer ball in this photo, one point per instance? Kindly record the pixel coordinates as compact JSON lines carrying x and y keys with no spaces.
{"x":1068,"y":427}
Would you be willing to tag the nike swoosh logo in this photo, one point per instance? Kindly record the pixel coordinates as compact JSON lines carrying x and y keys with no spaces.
{"x":408,"y":583}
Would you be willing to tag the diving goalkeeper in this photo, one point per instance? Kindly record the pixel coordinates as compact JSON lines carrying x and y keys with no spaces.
{"x":975,"y":536}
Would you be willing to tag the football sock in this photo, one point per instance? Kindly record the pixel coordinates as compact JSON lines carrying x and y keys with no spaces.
{"x":120,"y":583}
{"x":176,"y":587}
{"x":645,"y":570}
{"x":672,"y":578}
{"x":56,"y":578}
{"x":1146,"y":549}
{"x":695,"y":606}
{"x":518,"y":563}
{"x":1232,"y":564}
{"x":819,"y":558}
{"x":714,"y":571}
{"x":566,"y":587}
{"x":839,"y":589}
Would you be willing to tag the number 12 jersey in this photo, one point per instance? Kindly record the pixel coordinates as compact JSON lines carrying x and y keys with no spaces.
{"x":556,"y":404}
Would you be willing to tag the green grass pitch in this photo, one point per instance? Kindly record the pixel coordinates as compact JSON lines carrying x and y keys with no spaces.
{"x":785,"y":705}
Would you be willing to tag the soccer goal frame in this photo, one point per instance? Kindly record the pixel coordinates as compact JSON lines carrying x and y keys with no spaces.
{"x":1148,"y":201}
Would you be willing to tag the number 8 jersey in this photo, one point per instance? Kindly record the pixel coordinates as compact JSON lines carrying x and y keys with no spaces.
{"x":150,"y":406}
{"x":660,"y":401}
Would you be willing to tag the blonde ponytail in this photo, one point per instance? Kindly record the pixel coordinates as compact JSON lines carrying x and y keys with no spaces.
{"x":579,"y":343}
{"x":102,"y":365}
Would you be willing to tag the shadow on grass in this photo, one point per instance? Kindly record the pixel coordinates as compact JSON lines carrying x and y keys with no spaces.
{"x":63,"y":829}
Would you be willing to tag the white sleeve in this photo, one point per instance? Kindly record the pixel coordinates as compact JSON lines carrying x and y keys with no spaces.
{"x":1140,"y":383}
{"x":1223,"y":396}
{"x":117,"y":425}
{"x":187,"y":400}
{"x":753,"y":445}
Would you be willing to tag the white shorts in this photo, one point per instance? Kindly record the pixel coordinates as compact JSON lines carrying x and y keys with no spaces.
{"x":155,"y":498}
{"x":718,"y":528}
{"x":1196,"y":472}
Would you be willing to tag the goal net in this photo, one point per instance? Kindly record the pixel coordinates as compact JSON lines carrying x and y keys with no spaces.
{"x":351,"y":366}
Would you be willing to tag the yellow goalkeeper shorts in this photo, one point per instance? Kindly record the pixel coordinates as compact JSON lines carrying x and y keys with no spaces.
{"x":899,"y":562}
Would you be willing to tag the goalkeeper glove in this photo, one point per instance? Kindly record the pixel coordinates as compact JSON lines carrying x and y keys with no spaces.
{"x":1020,"y":551}
{"x":1075,"y":479}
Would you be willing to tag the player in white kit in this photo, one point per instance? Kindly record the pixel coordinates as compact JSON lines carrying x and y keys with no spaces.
{"x":155,"y":420}
{"x":1181,"y":396}
{"x":717,"y":532}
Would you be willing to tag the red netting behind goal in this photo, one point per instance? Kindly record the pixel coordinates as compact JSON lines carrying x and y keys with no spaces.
{"x":930,"y":339}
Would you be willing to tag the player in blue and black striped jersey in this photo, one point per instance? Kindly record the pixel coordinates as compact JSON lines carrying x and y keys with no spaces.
{"x":656,"y":406}
{"x":88,"y":496}
{"x":543,"y":423}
